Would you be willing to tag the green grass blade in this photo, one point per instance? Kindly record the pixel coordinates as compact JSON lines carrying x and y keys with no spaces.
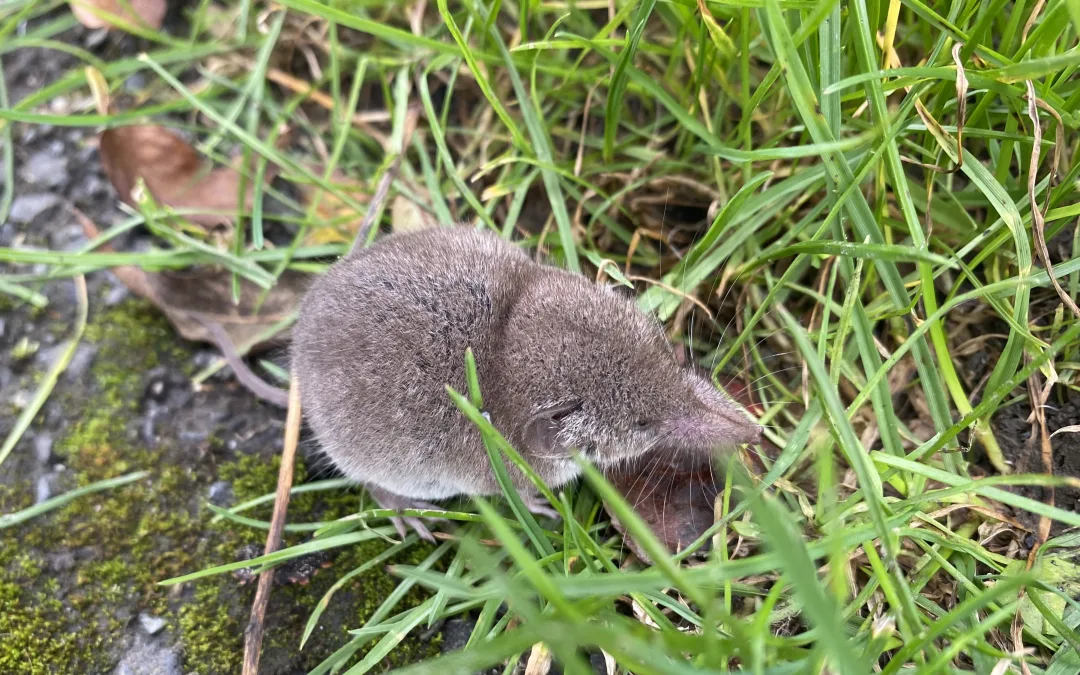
{"x":617,"y":88}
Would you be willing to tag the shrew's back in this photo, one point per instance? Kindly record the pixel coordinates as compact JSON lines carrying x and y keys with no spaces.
{"x":381,"y":334}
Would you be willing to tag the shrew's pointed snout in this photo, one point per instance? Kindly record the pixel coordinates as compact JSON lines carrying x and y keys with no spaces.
{"x":706,"y":429}
{"x":713,"y":420}
{"x":737,"y":426}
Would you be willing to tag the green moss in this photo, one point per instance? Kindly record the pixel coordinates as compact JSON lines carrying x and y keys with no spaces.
{"x":66,"y":621}
{"x":38,"y":635}
{"x":212,"y":639}
{"x":131,"y":538}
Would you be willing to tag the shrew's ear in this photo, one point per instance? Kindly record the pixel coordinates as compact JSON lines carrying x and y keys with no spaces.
{"x":541,"y":432}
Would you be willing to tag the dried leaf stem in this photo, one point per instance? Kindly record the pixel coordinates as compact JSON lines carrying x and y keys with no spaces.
{"x":253,"y":634}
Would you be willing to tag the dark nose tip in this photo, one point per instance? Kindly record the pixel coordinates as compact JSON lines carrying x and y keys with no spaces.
{"x":744,"y":428}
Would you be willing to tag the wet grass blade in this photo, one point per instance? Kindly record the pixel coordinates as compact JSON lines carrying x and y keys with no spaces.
{"x":19,"y":517}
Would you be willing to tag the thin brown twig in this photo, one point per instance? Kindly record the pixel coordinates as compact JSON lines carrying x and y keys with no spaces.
{"x":253,"y":634}
{"x":1038,"y":223}
{"x":584,"y":127}
{"x":363,"y":120}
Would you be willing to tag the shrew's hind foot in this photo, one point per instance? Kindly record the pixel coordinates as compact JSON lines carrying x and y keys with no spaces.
{"x":395,"y":502}
{"x":540,"y":506}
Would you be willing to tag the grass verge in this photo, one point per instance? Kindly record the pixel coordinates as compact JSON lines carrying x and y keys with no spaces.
{"x":856,"y":209}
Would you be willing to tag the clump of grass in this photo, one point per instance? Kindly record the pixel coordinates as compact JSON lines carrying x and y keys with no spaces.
{"x":843,"y":205}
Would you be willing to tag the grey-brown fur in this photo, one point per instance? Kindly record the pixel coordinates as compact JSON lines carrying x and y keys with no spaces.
{"x":563,"y":363}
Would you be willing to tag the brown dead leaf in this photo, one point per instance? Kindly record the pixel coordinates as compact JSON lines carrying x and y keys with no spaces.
{"x":174,"y":173}
{"x":91,"y":13}
{"x":407,"y":216}
{"x":337,"y":221}
{"x":191,"y":299}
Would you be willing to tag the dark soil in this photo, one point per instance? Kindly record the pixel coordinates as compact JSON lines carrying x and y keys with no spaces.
{"x":1024,"y":450}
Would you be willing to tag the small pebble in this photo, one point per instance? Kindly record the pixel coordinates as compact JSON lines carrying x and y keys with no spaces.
{"x":149,"y":657}
{"x":151,"y":624}
{"x":60,"y":104}
{"x":204,"y":357}
{"x":46,"y":170}
{"x":20,"y":399}
{"x":80,"y":362}
{"x":43,"y":444}
{"x":135,"y":83}
{"x":156,"y":390}
{"x":70,"y":239}
{"x":47,"y":357}
{"x":61,"y":562}
{"x":43,"y":490}
{"x":147,"y":432}
{"x":95,"y":37}
{"x":26,"y":208}
{"x":116,"y":295}
{"x":220,"y":493}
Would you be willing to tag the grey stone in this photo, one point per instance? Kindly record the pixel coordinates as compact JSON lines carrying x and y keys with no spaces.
{"x":27,"y":207}
{"x":135,"y":83}
{"x":70,"y":238}
{"x":46,"y":357}
{"x":46,"y":169}
{"x":204,"y":357}
{"x":80,"y":362}
{"x":151,"y":624}
{"x":116,"y":295}
{"x":147,"y":656}
{"x":43,"y":444}
{"x":20,"y":399}
{"x":96,"y":37}
{"x":147,"y":433}
{"x":221,"y":493}
{"x":61,"y":562}
{"x":43,"y":490}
